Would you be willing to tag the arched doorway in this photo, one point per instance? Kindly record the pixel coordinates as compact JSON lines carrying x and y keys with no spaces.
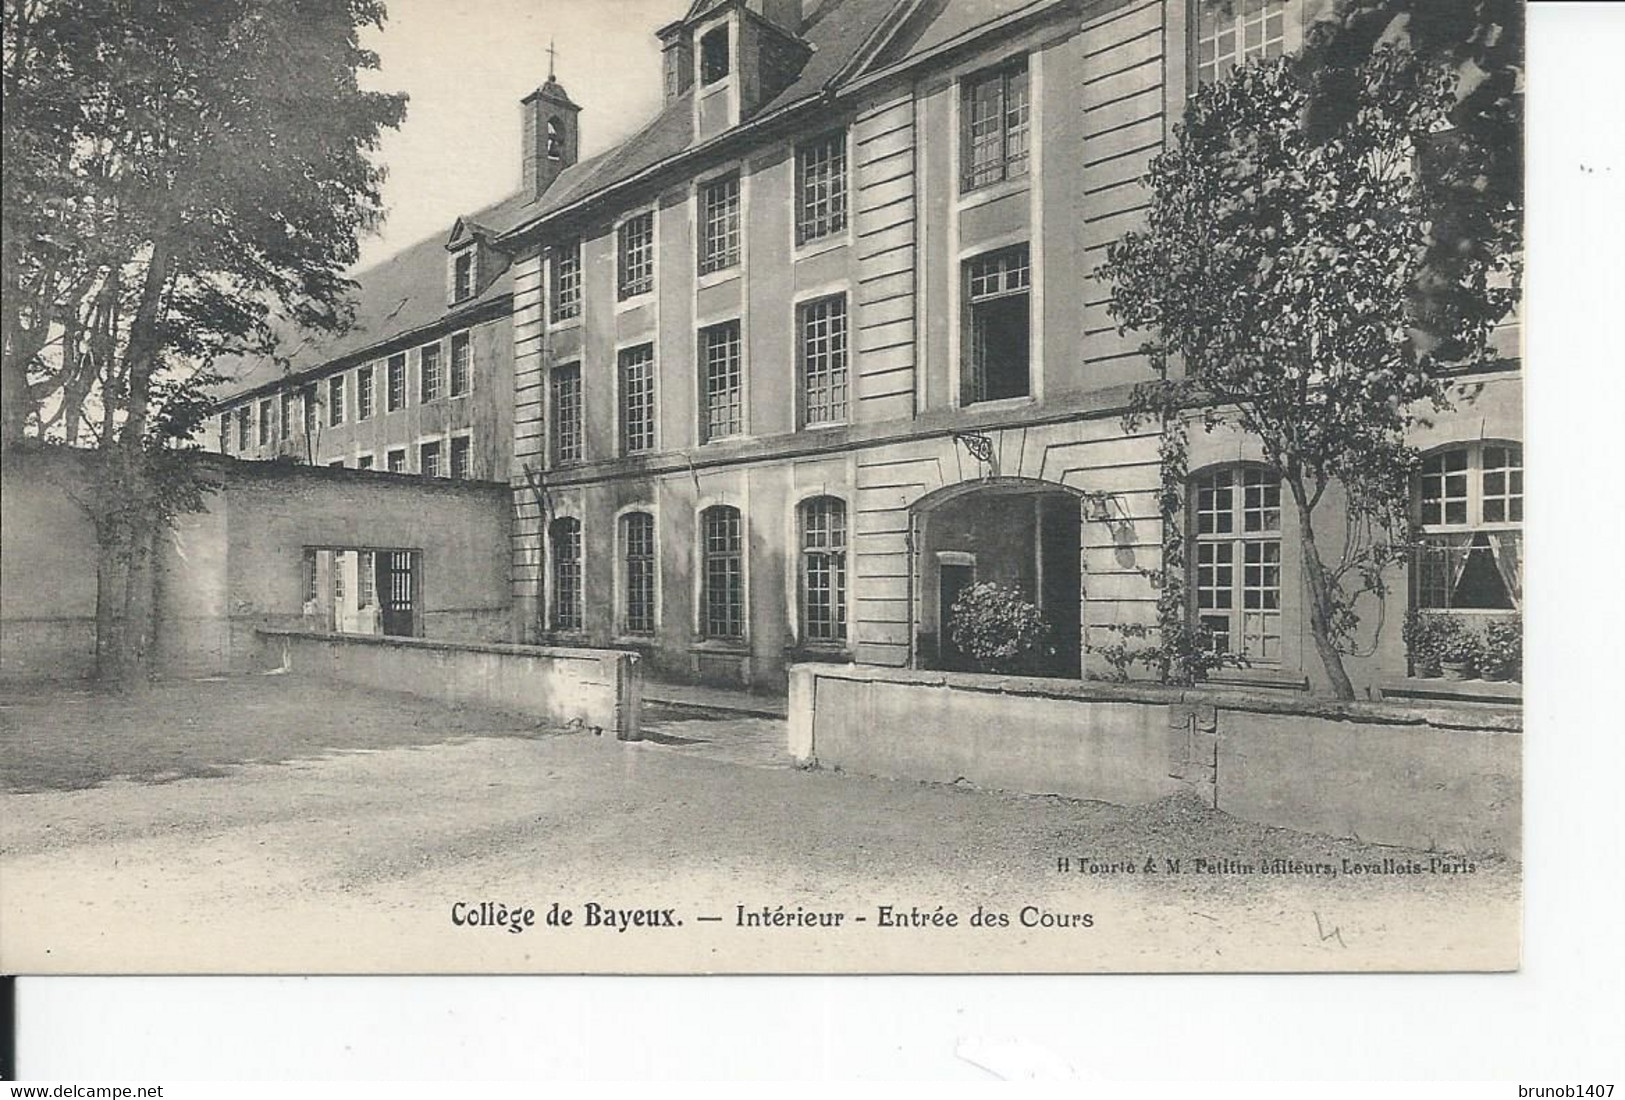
{"x":1018,"y":532}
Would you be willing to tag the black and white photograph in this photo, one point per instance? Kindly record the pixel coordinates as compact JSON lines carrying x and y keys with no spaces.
{"x":762,"y":486}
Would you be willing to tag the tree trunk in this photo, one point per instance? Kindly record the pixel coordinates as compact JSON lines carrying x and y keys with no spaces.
{"x":129,"y":516}
{"x":1321,"y":603}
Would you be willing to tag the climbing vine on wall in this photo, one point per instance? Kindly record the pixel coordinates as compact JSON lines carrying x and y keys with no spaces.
{"x":1174,"y":651}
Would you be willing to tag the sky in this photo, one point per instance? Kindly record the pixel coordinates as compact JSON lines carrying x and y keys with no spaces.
{"x":466,"y":64}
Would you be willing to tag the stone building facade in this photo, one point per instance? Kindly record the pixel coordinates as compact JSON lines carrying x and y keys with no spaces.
{"x":820,"y":345}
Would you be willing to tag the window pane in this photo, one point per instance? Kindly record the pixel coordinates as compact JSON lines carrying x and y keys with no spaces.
{"x":999,"y":326}
{"x":823,"y":581}
{"x":461,"y":354}
{"x":636,"y":260}
{"x":714,"y":59}
{"x":723,"y":573}
{"x":567,"y":433}
{"x":567,"y":281}
{"x":719,"y":225}
{"x":637,"y":399}
{"x":723,"y":381}
{"x":429,"y":372}
{"x":821,"y":198}
{"x":566,"y":545}
{"x":823,"y":360}
{"x":1015,"y":124}
{"x":638,"y":546}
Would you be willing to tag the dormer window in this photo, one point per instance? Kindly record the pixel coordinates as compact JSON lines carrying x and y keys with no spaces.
{"x":714,"y":55}
{"x":462,"y":275}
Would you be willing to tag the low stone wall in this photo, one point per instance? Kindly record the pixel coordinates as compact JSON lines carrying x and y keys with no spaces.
{"x":600,"y":688}
{"x":1439,"y":778}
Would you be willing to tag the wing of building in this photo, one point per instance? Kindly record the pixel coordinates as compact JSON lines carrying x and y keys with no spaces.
{"x":819,"y":346}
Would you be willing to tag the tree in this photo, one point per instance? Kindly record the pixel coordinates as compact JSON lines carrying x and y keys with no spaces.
{"x":1476,"y":168}
{"x":1278,"y":274}
{"x":175,"y":171}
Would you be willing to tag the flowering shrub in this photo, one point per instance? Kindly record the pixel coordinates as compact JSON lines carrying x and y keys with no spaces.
{"x":996,"y":626}
{"x":1503,"y":649}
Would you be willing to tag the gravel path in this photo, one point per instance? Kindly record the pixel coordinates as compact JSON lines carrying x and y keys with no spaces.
{"x":275,"y":824}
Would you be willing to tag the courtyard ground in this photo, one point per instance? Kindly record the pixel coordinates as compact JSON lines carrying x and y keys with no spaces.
{"x":276,"y":823}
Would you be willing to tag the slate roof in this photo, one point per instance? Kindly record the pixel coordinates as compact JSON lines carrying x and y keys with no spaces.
{"x":407,"y":291}
{"x":937,"y":22}
{"x":396,"y":296}
{"x":836,"y":32}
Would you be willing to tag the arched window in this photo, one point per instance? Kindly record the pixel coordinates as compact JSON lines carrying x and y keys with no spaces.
{"x":722,"y":573}
{"x":638,"y":572}
{"x":1470,"y":508}
{"x":823,"y":570}
{"x":555,"y":140}
{"x":1236,"y":529}
{"x":565,"y":541}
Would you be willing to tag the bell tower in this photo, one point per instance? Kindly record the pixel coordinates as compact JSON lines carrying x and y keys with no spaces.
{"x":552,"y":133}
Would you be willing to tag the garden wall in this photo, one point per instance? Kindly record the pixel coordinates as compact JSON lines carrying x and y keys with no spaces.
{"x":599,"y":688}
{"x":237,"y":566}
{"x":1429,"y":778}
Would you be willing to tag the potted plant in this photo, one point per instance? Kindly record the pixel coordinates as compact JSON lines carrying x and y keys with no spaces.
{"x":997,"y":627}
{"x":1461,"y":652}
{"x":1422,"y":634}
{"x":1503,"y":649}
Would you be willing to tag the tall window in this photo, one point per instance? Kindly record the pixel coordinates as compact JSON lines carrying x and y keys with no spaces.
{"x":225,"y":432}
{"x":461,"y":450}
{"x":1471,"y":514}
{"x":335,"y":400}
{"x":565,"y":541}
{"x":265,"y":422}
{"x":363,"y":393}
{"x":1238,"y":561}
{"x":994,"y":132}
{"x":638,"y":566}
{"x":567,"y":433}
{"x":722,"y":381}
{"x":997,"y":326}
{"x":637,"y":366}
{"x":823,"y":360}
{"x":462,"y":354}
{"x":395,"y":398}
{"x":285,"y":419}
{"x":635,"y":256}
{"x":821,"y":187}
{"x":429,"y":459}
{"x":566,"y":281}
{"x":714,"y":59}
{"x":722,"y":572}
{"x":1234,"y":32}
{"x":823,"y":570}
{"x":719,"y":224}
{"x":366,"y":594}
{"x":243,"y":425}
{"x":462,"y":275}
{"x":429,"y":373}
{"x":307,"y":399}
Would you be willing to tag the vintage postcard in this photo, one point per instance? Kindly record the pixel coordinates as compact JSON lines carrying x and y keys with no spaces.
{"x":762,"y":486}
